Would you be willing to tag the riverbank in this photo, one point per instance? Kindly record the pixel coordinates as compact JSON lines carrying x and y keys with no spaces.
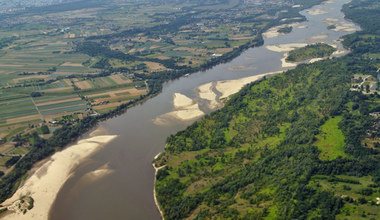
{"x":230,"y":87}
{"x":155,"y":82}
{"x":45,"y":183}
{"x":156,"y":169}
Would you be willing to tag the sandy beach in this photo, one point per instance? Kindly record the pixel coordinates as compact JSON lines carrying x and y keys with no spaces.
{"x":318,"y":37}
{"x":181,"y":101}
{"x":185,"y":109}
{"x":45,"y":183}
{"x":241,"y":68}
{"x":315,"y":60}
{"x":302,"y":26}
{"x":317,"y":12}
{"x":273,"y":32}
{"x":285,"y":64}
{"x":206,"y":92}
{"x":281,"y":48}
{"x":156,"y":169}
{"x":230,"y":87}
{"x":340,"y":26}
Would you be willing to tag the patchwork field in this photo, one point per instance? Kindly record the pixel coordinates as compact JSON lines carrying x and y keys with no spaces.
{"x":68,"y":63}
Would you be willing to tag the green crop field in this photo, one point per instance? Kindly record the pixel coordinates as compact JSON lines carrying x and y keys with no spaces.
{"x":65,"y":109}
{"x":60,"y":105}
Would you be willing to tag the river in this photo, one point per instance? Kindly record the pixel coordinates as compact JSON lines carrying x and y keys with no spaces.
{"x":127,"y":192}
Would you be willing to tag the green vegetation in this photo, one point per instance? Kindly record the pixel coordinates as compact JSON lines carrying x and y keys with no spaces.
{"x":310,"y":51}
{"x":62,"y":67}
{"x":53,"y":54}
{"x":299,"y":145}
{"x":330,"y":141}
{"x":331,"y":27}
{"x":285,"y":30}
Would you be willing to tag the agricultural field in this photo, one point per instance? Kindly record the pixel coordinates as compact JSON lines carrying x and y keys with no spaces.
{"x":62,"y":63}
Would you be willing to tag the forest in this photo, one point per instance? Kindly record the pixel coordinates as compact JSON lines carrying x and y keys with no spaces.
{"x":317,"y":50}
{"x":267,"y":154}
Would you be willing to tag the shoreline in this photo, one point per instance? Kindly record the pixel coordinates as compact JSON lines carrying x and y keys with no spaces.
{"x":257,"y":42}
{"x":156,"y":169}
{"x":45,"y":183}
{"x":230,"y":87}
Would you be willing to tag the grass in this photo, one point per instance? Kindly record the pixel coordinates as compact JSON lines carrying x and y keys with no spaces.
{"x":20,"y":150}
{"x":65,"y":109}
{"x":331,"y":140}
{"x":59,"y":105}
{"x":351,"y":210}
{"x":15,"y":131}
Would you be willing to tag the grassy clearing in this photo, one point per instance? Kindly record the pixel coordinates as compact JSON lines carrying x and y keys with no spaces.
{"x":331,"y":140}
{"x":357,"y":188}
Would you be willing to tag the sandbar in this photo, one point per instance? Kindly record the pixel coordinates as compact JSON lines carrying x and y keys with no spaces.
{"x":191,"y":112}
{"x":315,"y":60}
{"x":185,"y":109}
{"x":273,"y":31}
{"x":302,"y":26}
{"x":44,"y":184}
{"x":230,"y":87}
{"x":206,"y":92}
{"x":317,"y":12}
{"x":318,"y":37}
{"x":281,"y":48}
{"x":285,"y":64}
{"x":241,"y":68}
{"x":180,"y":100}
{"x":340,"y":26}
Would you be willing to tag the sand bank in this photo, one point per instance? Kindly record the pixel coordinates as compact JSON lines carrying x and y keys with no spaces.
{"x":230,"y":87}
{"x":317,"y":12}
{"x":90,"y":178}
{"x":345,"y":27}
{"x":156,"y":169}
{"x":206,"y":92}
{"x":340,"y":26}
{"x":189,"y":113}
{"x":185,"y":109}
{"x":285,"y":64}
{"x":339,"y":50}
{"x":315,"y":60}
{"x":273,"y":32}
{"x":249,"y":58}
{"x":181,"y":101}
{"x":302,"y":26}
{"x":47,"y":180}
{"x":281,"y":48}
{"x":318,"y":37}
{"x":241,"y":68}
{"x":331,"y":21}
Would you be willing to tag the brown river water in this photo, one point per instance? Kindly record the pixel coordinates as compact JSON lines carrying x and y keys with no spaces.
{"x":127,"y":192}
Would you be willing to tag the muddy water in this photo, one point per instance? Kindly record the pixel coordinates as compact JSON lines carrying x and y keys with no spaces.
{"x":127,"y":191}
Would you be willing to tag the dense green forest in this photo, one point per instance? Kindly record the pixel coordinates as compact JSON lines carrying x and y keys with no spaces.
{"x":299,"y":145}
{"x":317,"y":50}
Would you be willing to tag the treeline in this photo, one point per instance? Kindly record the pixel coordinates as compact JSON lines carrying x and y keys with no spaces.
{"x":5,"y":42}
{"x":317,"y":50}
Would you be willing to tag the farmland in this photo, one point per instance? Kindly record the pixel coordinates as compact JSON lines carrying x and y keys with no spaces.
{"x":60,"y":64}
